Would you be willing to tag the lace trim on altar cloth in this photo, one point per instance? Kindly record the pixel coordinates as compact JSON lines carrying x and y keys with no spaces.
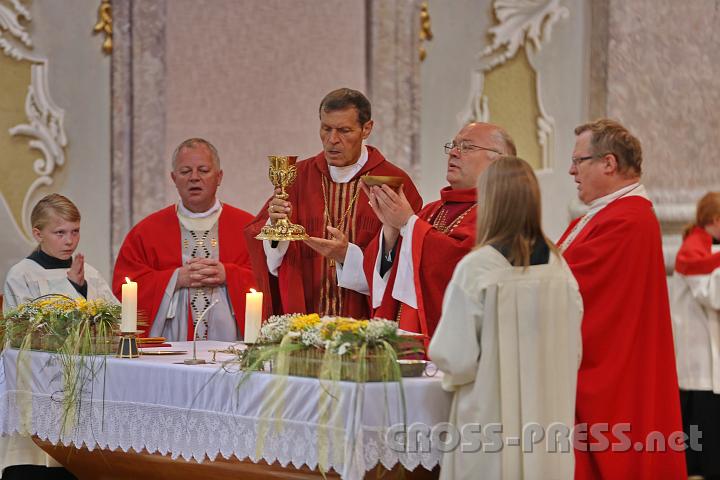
{"x":201,"y":435}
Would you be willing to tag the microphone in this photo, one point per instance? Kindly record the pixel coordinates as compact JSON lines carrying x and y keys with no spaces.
{"x":194,"y":360}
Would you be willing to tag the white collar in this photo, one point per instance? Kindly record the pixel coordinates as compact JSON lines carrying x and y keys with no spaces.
{"x":635,"y":189}
{"x":345,"y":174}
{"x":182,"y":210}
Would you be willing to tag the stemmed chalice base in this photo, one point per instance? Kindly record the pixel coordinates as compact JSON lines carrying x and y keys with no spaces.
{"x":282,"y":173}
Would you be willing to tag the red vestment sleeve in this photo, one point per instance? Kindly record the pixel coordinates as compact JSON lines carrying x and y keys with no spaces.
{"x":695,"y":256}
{"x":234,"y":255}
{"x":140,"y":260}
{"x":258,"y":259}
{"x":435,"y":255}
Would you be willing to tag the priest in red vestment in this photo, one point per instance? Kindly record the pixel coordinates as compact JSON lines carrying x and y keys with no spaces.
{"x":408,"y":277}
{"x":190,"y":259}
{"x":627,"y":385}
{"x":324,"y":274}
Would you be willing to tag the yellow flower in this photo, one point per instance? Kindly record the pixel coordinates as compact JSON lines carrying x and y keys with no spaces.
{"x":349,"y":325}
{"x":304,"y":322}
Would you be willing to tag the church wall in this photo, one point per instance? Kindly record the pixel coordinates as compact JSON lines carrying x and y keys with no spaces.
{"x":78,"y":85}
{"x":659,"y":71}
{"x":249,"y":77}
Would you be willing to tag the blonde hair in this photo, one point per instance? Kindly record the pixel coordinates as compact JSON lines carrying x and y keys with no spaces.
{"x":53,"y":204}
{"x":509,"y":211}
{"x":708,"y":209}
{"x":609,"y":136}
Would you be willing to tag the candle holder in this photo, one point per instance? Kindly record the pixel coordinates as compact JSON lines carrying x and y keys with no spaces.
{"x":128,"y":346}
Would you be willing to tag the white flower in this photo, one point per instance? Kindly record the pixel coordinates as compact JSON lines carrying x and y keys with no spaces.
{"x":275,"y":328}
{"x":379,"y":329}
{"x":344,"y":348}
{"x":311,"y":338}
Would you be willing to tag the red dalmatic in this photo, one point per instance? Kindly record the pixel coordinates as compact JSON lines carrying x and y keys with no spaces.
{"x":152,"y":251}
{"x":627,"y":378}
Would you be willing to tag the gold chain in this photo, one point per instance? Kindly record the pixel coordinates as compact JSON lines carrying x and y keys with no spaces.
{"x":442,"y":215}
{"x":347,"y":210}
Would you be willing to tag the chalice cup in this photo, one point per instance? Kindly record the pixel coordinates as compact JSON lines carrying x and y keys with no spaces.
{"x":282,"y":173}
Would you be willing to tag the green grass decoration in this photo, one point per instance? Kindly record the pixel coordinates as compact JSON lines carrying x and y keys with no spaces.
{"x":332,"y":350}
{"x":79,"y":331}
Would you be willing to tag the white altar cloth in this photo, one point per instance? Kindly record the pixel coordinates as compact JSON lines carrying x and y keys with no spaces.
{"x":196,"y":412}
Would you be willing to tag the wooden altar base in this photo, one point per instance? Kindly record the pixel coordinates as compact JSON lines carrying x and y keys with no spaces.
{"x":118,"y":465}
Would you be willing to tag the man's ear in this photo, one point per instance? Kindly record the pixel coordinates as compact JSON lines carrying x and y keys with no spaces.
{"x":610,"y":164}
{"x":367,"y":128}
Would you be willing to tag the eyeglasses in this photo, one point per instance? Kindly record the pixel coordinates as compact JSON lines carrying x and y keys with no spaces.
{"x":465,"y":147}
{"x":577,"y":161}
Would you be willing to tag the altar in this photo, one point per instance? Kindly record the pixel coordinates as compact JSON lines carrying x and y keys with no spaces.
{"x":157,"y":412}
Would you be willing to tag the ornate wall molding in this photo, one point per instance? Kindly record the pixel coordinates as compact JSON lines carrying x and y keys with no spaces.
{"x":522,"y":25}
{"x":10,"y":22}
{"x":44,"y":128}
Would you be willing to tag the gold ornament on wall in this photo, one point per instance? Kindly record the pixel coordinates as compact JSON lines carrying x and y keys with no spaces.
{"x":104,"y":25}
{"x":425,"y":29}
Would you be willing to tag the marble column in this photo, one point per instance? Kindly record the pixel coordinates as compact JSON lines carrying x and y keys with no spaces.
{"x":138,"y":114}
{"x":394,"y":80}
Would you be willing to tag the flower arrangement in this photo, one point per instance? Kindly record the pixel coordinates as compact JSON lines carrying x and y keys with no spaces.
{"x":310,"y":345}
{"x":337,"y":334}
{"x":47,"y":322}
{"x":76,"y":329}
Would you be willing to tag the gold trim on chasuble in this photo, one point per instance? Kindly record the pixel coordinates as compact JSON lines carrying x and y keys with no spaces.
{"x":340,"y":212}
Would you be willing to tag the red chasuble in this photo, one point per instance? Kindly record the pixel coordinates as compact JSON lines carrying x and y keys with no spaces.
{"x":695,"y":256}
{"x":152,"y":251}
{"x":628,"y":374}
{"x":444,"y":234}
{"x":306,"y":281}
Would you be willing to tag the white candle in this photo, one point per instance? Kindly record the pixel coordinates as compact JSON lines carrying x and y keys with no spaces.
{"x":128,"y":323}
{"x":253,"y":315}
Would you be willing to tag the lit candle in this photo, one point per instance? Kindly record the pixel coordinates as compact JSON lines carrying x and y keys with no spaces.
{"x":128,"y":323}
{"x":253,"y":315}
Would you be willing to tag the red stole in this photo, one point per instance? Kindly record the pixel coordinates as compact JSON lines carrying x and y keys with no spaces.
{"x":695,"y":256}
{"x":627,"y":374}
{"x":152,"y":252}
{"x":306,"y":279}
{"x":434,"y":255}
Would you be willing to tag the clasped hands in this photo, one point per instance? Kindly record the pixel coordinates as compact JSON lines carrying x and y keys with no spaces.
{"x":201,"y":272}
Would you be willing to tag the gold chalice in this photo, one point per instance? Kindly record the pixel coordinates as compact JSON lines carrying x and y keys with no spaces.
{"x":282,"y":173}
